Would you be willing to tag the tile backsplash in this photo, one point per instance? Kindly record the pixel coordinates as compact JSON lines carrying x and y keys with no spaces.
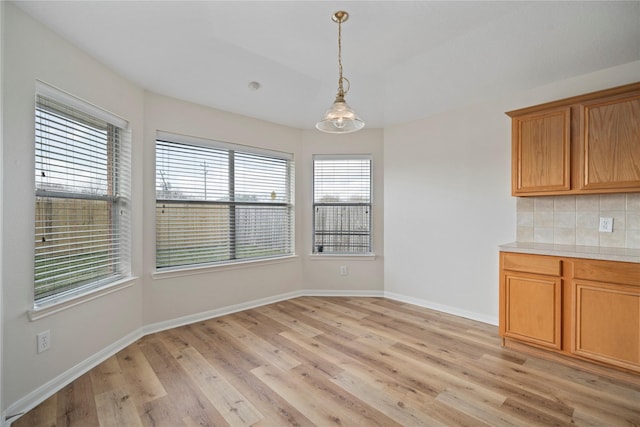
{"x":574,"y":220}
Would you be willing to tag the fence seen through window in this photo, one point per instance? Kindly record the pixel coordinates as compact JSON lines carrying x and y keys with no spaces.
{"x":342,"y":204}
{"x":81,"y":221}
{"x":216,"y":203}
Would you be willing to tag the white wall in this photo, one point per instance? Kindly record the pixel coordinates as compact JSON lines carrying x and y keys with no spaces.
{"x":447,"y":208}
{"x":322,"y":273}
{"x":447,"y":198}
{"x":32,"y":53}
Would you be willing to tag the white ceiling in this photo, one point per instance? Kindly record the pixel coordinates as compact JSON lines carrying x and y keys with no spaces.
{"x":405,"y":59}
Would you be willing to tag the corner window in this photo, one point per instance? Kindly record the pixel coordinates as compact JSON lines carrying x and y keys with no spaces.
{"x":221,"y":203}
{"x":81,"y":198}
{"x":341,"y":204}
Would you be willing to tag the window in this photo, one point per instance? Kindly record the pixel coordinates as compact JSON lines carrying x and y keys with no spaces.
{"x":220,"y":203}
{"x":342,"y":204}
{"x":81,"y":176}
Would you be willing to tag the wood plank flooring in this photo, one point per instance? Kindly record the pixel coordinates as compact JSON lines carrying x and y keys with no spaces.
{"x":337,"y":362}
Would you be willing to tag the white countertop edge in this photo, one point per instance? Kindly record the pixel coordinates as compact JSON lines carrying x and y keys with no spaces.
{"x":574,"y":251}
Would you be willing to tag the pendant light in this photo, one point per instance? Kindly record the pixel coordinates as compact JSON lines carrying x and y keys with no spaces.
{"x":340,"y":118}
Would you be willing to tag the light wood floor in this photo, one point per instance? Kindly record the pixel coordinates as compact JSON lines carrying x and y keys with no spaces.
{"x":337,"y":362}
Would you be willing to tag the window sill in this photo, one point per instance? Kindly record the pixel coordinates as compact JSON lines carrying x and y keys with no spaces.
{"x":39,"y":312}
{"x":348,"y":257}
{"x":189,"y":271}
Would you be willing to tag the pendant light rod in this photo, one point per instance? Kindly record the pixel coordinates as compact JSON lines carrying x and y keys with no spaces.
{"x":340,"y":118}
{"x":340,"y":17}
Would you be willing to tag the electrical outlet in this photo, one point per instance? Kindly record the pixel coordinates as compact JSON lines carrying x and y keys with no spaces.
{"x":606,"y":225}
{"x":44,"y":341}
{"x":343,"y":270}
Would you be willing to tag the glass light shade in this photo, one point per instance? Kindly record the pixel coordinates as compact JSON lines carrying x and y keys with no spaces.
{"x":340,"y":118}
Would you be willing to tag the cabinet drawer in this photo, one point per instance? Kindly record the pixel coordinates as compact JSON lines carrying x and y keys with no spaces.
{"x":608,"y":271}
{"x":538,"y":264}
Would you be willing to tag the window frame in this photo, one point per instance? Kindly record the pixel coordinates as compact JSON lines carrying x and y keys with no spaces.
{"x":234,"y":151}
{"x":117,"y":146}
{"x":370,"y":204}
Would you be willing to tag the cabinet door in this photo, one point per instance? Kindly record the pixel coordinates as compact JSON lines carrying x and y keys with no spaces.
{"x":531,"y":308}
{"x":606,"y":323}
{"x":540,"y":152}
{"x":610,"y":143}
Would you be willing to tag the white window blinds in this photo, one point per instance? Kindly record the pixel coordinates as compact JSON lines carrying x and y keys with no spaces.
{"x":342,"y":204}
{"x":219,"y":203}
{"x":82,"y":190}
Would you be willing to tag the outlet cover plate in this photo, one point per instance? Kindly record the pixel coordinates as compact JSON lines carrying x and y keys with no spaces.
{"x":606,"y":225}
{"x":44,"y":341}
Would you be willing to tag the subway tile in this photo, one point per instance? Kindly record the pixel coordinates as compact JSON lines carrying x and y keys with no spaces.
{"x":633,"y":202}
{"x":633,"y":221}
{"x":575,"y":219}
{"x":564,"y":204}
{"x":543,"y":219}
{"x":587,"y":237}
{"x":633,"y":239}
{"x":588,"y":220}
{"x":524,"y":204}
{"x":589,"y":203}
{"x":564,"y":236}
{"x":524,"y":234}
{"x":613,"y":240}
{"x":613,"y":202}
{"x":543,"y":204}
{"x":543,"y":235}
{"x":564,"y":220}
{"x":525,"y":219}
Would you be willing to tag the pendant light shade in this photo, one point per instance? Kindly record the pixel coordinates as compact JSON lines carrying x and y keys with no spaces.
{"x":340,"y":118}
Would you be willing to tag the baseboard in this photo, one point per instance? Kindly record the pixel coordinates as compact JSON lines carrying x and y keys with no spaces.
{"x":491,"y":320}
{"x":43,"y":392}
{"x":333,"y":293}
{"x":198,"y":317}
{"x":37,"y":396}
{"x":210,"y":314}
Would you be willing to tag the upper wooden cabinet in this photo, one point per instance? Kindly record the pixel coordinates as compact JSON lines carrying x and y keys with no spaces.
{"x":610,"y":142}
{"x":540,"y":151}
{"x":580,"y":145}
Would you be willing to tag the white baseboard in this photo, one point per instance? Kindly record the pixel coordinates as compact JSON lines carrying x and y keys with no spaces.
{"x":198,"y":317}
{"x":332,"y":293}
{"x":37,"y":396}
{"x":206,"y":315}
{"x":491,"y":320}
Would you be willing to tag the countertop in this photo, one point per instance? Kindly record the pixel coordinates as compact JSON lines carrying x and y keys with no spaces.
{"x":573,"y":251}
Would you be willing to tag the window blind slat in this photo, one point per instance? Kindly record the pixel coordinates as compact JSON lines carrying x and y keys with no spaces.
{"x":81,"y":221}
{"x":342,"y":204}
{"x":218,"y":204}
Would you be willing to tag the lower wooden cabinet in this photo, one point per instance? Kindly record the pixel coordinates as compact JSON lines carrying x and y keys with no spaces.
{"x":606,"y":321}
{"x":587,"y":309}
{"x":532,"y":308}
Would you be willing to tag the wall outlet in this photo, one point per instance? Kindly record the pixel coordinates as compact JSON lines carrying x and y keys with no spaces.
{"x":606,"y":225}
{"x":343,"y":270}
{"x":44,"y":341}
